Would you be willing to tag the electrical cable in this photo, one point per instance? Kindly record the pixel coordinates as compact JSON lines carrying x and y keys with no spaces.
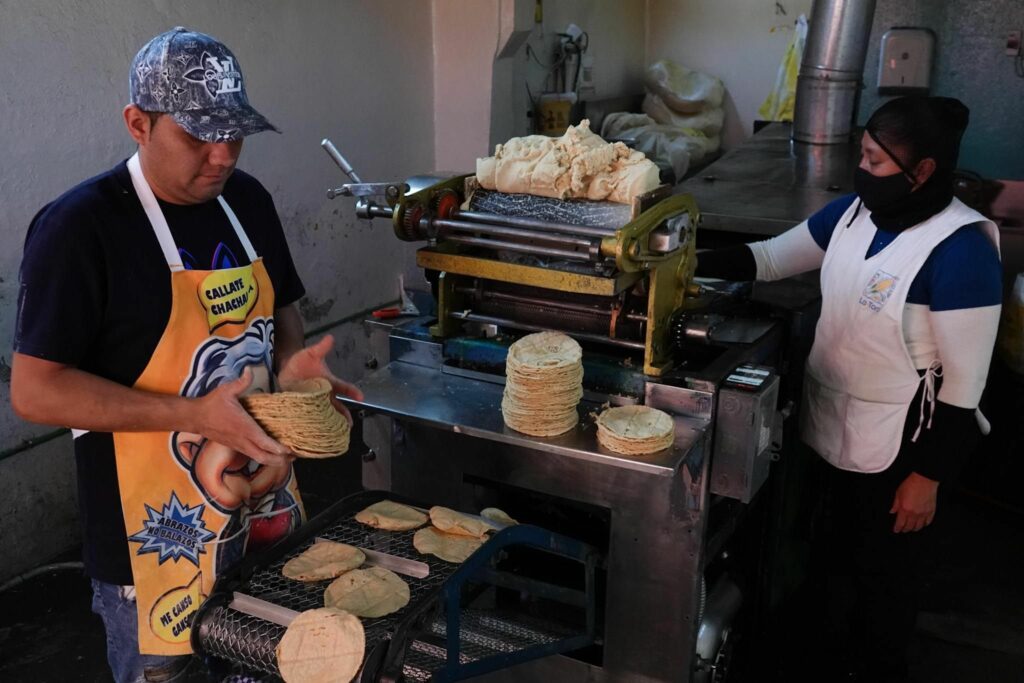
{"x":530,"y":52}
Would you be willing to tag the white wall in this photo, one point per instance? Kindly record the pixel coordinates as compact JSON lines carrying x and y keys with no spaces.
{"x":481,"y":99}
{"x":616,"y":32}
{"x":465,"y":34}
{"x":359,"y":72}
{"x":731,"y":39}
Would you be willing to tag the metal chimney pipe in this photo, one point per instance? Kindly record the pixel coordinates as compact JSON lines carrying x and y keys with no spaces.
{"x":832,"y":70}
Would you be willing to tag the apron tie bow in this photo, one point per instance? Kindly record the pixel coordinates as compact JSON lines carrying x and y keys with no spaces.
{"x":928,"y":396}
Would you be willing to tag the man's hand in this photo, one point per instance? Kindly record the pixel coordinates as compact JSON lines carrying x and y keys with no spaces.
{"x":914,"y":504}
{"x":220,"y":417}
{"x":310,"y":363}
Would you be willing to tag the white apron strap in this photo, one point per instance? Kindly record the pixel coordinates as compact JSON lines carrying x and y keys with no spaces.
{"x":154,"y":214}
{"x":242,"y":237}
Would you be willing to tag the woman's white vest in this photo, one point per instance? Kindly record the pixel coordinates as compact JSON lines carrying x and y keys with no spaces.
{"x":860,"y":377}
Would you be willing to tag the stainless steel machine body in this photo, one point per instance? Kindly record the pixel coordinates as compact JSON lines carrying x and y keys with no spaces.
{"x":618,"y":279}
{"x":439,"y":433}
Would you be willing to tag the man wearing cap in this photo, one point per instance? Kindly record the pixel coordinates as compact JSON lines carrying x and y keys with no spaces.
{"x":153,"y":296}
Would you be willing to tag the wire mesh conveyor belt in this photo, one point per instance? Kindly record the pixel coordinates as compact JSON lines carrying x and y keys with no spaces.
{"x":249,"y":642}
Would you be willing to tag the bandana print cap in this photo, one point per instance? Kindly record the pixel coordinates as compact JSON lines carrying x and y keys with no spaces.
{"x":196,"y":79}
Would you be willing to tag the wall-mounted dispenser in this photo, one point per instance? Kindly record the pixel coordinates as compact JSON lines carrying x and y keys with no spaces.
{"x":905,"y":61}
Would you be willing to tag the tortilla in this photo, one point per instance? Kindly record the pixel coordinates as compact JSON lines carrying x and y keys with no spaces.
{"x":458,"y":523}
{"x":449,"y":547}
{"x":544,"y":384}
{"x":302,"y":418}
{"x":323,"y":560}
{"x":499,"y":517}
{"x":321,"y":646}
{"x":373,"y":592}
{"x":391,"y":516}
{"x":635,"y":430}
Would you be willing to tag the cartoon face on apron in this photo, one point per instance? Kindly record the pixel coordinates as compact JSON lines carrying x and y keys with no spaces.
{"x":193,"y":507}
{"x":860,"y":378}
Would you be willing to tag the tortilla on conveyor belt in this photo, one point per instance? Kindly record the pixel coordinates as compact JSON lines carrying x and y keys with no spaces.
{"x":302,"y":418}
{"x":321,"y":646}
{"x":458,"y":523}
{"x":323,"y":560}
{"x":391,"y":516}
{"x":544,"y":384}
{"x":373,"y":592}
{"x":635,"y":430}
{"x":499,"y":517}
{"x":449,"y":547}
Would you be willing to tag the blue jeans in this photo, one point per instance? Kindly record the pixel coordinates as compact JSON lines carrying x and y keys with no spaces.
{"x":116,"y":606}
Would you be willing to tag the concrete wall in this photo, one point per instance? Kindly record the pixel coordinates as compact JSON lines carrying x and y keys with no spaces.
{"x":970,"y":64}
{"x":740,"y":41}
{"x":358,"y":72}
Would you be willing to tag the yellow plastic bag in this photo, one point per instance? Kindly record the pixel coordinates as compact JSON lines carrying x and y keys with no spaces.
{"x":1010,"y":342}
{"x":778,"y":106}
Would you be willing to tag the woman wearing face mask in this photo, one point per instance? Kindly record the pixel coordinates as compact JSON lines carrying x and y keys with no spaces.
{"x":911,"y":293}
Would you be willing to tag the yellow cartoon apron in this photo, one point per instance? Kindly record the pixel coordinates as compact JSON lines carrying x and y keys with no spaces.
{"x":192,"y":507}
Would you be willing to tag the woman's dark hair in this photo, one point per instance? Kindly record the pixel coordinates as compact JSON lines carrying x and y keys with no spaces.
{"x":914,"y":128}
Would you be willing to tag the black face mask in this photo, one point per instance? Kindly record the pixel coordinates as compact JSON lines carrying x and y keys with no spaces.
{"x":893,"y":202}
{"x":882,"y":194}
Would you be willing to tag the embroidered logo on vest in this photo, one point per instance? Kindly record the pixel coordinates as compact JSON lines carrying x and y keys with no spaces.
{"x":878,"y":290}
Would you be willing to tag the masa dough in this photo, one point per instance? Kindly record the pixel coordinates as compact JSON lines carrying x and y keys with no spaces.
{"x":579,"y":165}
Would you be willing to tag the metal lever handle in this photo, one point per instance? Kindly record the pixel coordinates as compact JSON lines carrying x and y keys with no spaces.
{"x":342,"y":163}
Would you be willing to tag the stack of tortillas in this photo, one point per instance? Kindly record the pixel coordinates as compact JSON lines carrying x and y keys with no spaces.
{"x":321,"y":646}
{"x":635,"y":430}
{"x":544,"y":383}
{"x":302,"y":418}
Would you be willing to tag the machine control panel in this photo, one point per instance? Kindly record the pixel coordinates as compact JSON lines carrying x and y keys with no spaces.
{"x":741,"y":444}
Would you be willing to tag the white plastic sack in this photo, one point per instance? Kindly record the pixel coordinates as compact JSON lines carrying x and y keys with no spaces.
{"x":668,"y":145}
{"x":709,"y":122}
{"x":682,"y":90}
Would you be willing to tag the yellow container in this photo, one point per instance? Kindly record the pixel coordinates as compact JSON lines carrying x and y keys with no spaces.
{"x":553,"y":113}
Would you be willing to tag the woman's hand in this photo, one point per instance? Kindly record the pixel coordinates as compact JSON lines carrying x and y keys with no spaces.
{"x":310,"y":363}
{"x":914,"y":504}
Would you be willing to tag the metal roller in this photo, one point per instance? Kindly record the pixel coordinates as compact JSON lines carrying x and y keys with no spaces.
{"x":502,"y":231}
{"x":516,"y":325}
{"x":517,"y":247}
{"x":533,"y":224}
